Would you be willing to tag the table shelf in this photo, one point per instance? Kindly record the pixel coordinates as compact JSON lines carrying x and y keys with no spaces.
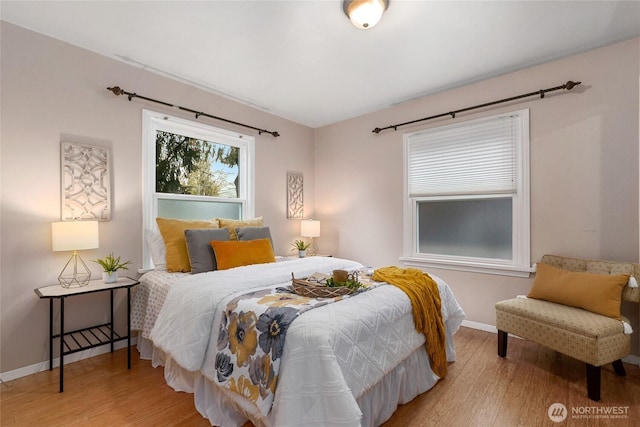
{"x":91,"y":337}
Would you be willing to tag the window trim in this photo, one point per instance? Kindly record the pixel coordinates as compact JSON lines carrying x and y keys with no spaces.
{"x":153,"y":121}
{"x":520,"y":266}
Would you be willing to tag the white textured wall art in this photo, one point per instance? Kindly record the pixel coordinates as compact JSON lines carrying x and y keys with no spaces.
{"x":86,"y":182}
{"x":295,"y":192}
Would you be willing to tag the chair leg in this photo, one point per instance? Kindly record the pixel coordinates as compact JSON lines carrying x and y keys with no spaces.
{"x":502,"y":343}
{"x":618,"y":367}
{"x":593,"y":382}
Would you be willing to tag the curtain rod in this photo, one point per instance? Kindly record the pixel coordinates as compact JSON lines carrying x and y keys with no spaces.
{"x":118,"y":91}
{"x":568,"y":86}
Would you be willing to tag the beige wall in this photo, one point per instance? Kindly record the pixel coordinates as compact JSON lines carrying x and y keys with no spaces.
{"x":584,"y":151}
{"x":584,"y":170}
{"x":53,"y":91}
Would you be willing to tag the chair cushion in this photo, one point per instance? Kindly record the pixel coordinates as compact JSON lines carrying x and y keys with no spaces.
{"x":578,"y":333}
{"x":574,"y":319}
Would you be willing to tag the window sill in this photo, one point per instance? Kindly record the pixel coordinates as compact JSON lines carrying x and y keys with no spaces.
{"x":475,"y":267}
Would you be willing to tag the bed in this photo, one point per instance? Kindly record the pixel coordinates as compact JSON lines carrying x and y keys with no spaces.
{"x":348,"y":363}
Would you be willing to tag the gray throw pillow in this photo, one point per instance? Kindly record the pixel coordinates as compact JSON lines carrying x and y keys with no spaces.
{"x":201,"y":256}
{"x":253,"y":233}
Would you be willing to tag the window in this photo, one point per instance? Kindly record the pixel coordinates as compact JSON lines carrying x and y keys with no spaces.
{"x":194,"y":171}
{"x":467,"y":196}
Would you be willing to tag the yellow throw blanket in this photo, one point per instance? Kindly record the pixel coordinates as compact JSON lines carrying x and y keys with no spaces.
{"x":423,"y":292}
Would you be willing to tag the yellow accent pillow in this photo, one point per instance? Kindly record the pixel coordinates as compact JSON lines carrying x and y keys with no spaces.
{"x":234,"y":253}
{"x":231,"y":224}
{"x":598,"y":293}
{"x":172,"y":231}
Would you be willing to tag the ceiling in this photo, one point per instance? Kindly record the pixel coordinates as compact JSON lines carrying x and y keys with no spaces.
{"x":304,"y":61}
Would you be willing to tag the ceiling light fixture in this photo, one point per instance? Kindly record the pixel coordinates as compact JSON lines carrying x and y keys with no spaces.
{"x":364,"y":14}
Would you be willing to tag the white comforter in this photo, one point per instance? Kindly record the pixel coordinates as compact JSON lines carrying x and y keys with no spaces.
{"x":185,"y":324}
{"x":332,"y":354}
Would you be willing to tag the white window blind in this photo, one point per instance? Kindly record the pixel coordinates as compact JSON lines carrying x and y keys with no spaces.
{"x":476,"y":157}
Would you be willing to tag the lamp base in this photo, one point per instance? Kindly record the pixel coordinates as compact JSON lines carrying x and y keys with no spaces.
{"x":70,"y":277}
{"x":313,"y":248}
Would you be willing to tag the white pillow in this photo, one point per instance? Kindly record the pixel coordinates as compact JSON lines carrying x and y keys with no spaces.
{"x":156,"y":247}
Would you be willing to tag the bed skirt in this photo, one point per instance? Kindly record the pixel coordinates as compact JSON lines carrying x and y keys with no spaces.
{"x":222,"y":408}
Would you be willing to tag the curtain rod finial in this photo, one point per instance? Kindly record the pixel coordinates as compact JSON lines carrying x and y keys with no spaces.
{"x":570,"y":85}
{"x":116,"y":90}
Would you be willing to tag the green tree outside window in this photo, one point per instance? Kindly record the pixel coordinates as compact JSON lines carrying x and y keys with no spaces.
{"x":193,"y":166}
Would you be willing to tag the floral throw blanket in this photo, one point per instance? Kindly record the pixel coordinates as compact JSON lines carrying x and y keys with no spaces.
{"x":251,"y":341}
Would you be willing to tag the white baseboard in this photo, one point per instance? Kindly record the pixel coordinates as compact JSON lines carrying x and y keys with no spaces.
{"x":480,"y":326}
{"x":44,"y":365}
{"x":631,"y":359}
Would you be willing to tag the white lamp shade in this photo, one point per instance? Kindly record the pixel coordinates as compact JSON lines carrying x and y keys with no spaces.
{"x":365,"y":14}
{"x":74,"y":235}
{"x":310,"y":228}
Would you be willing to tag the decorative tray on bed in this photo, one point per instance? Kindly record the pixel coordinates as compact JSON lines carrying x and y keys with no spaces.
{"x":320,"y":285}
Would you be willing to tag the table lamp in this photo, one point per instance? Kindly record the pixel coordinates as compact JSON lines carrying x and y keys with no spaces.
{"x":74,"y":236}
{"x":310,"y":228}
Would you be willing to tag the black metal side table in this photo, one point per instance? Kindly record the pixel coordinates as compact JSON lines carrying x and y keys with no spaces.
{"x":93,"y":336}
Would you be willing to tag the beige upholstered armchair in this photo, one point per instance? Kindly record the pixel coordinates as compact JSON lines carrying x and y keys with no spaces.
{"x":577,"y":331}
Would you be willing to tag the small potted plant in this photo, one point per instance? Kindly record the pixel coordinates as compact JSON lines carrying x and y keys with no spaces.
{"x":111,"y":264}
{"x":302,"y":247}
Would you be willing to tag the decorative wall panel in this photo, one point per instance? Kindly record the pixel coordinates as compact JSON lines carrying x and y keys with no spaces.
{"x":86,"y":182}
{"x":295,"y":193}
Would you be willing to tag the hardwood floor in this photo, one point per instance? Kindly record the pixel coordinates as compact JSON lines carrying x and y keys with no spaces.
{"x":481,"y":390}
